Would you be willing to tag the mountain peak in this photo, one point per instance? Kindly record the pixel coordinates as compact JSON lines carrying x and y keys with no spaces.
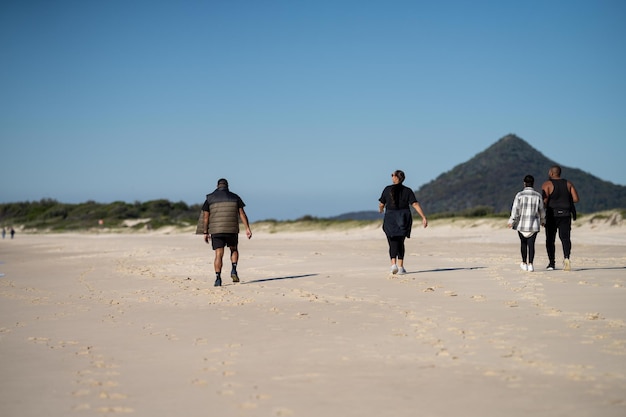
{"x":492,"y":178}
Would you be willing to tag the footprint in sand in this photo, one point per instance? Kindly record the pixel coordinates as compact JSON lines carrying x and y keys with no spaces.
{"x":39,"y":340}
{"x":96,"y":383}
{"x":115,"y":410}
{"x":199,"y":382}
{"x":283,"y":412}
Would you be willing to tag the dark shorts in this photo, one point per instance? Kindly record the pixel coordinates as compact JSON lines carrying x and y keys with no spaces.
{"x":224,"y":239}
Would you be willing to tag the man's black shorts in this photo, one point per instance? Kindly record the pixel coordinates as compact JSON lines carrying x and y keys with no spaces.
{"x":224,"y":239}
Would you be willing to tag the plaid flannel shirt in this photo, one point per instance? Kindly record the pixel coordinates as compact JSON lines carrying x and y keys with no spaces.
{"x":527,"y":213}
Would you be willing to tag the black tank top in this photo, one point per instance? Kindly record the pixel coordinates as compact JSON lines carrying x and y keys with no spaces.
{"x":560,"y":198}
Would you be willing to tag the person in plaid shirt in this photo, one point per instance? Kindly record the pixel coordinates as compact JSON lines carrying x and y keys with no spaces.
{"x":527,"y":214}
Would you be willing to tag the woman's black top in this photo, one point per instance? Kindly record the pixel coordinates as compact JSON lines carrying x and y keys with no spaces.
{"x":398,"y":217}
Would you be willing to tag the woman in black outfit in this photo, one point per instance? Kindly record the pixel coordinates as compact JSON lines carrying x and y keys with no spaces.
{"x":396,"y":201}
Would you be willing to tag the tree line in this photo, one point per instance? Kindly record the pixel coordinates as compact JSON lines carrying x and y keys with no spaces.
{"x":53,"y":215}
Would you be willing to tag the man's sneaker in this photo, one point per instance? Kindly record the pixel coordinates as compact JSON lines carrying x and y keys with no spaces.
{"x":234,"y":276}
{"x":401,"y":271}
{"x":550,"y":267}
{"x":531,"y":268}
{"x":567,"y":266}
{"x":394,"y":269}
{"x":218,"y":282}
{"x":523,"y":266}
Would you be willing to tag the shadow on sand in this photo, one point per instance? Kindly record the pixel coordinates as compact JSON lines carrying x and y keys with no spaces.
{"x":279,"y":278}
{"x":446,"y":270}
{"x":599,"y":269}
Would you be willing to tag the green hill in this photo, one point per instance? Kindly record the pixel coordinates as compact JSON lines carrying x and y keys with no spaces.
{"x":491,"y":178}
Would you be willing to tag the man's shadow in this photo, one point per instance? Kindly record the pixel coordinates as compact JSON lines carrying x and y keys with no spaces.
{"x":599,"y":269}
{"x":471,"y":268}
{"x":279,"y":278}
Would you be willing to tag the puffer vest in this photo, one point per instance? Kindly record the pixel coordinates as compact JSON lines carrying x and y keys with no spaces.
{"x":223,"y":212}
{"x":224,"y":218}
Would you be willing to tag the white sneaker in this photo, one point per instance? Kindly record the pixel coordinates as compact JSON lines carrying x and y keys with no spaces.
{"x":402,"y":271}
{"x":531,"y":268}
{"x":523,"y":266}
{"x":394,"y":269}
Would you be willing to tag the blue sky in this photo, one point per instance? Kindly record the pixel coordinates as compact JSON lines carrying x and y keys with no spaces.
{"x":305,"y":106}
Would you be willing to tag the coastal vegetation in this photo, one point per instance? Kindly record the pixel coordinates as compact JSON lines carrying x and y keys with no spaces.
{"x":54,"y":216}
{"x":48,"y":215}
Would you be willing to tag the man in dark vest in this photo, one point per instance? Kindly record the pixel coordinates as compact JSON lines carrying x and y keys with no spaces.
{"x":559,"y":196}
{"x":221,"y":213}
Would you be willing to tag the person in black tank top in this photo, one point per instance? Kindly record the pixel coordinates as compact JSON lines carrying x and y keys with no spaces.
{"x":559,"y":196}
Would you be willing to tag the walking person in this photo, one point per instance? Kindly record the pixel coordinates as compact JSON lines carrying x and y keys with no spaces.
{"x":559,"y":196}
{"x":396,"y":201}
{"x":527,"y":214}
{"x":221,"y":213}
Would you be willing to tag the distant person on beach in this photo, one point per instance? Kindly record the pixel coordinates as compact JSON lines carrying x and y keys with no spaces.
{"x":396,"y":201}
{"x":221,"y":212}
{"x":4,"y":232}
{"x":12,"y":233}
{"x":527,"y":214}
{"x":559,"y":196}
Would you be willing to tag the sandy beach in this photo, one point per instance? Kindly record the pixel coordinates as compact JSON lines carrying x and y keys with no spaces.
{"x":130,"y":323}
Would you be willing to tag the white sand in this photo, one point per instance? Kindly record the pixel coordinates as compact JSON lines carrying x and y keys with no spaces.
{"x":131,"y":324}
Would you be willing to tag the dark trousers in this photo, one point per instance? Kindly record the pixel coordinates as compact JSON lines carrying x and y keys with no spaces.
{"x":527,"y":247}
{"x":562,"y":225}
{"x":396,"y":247}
